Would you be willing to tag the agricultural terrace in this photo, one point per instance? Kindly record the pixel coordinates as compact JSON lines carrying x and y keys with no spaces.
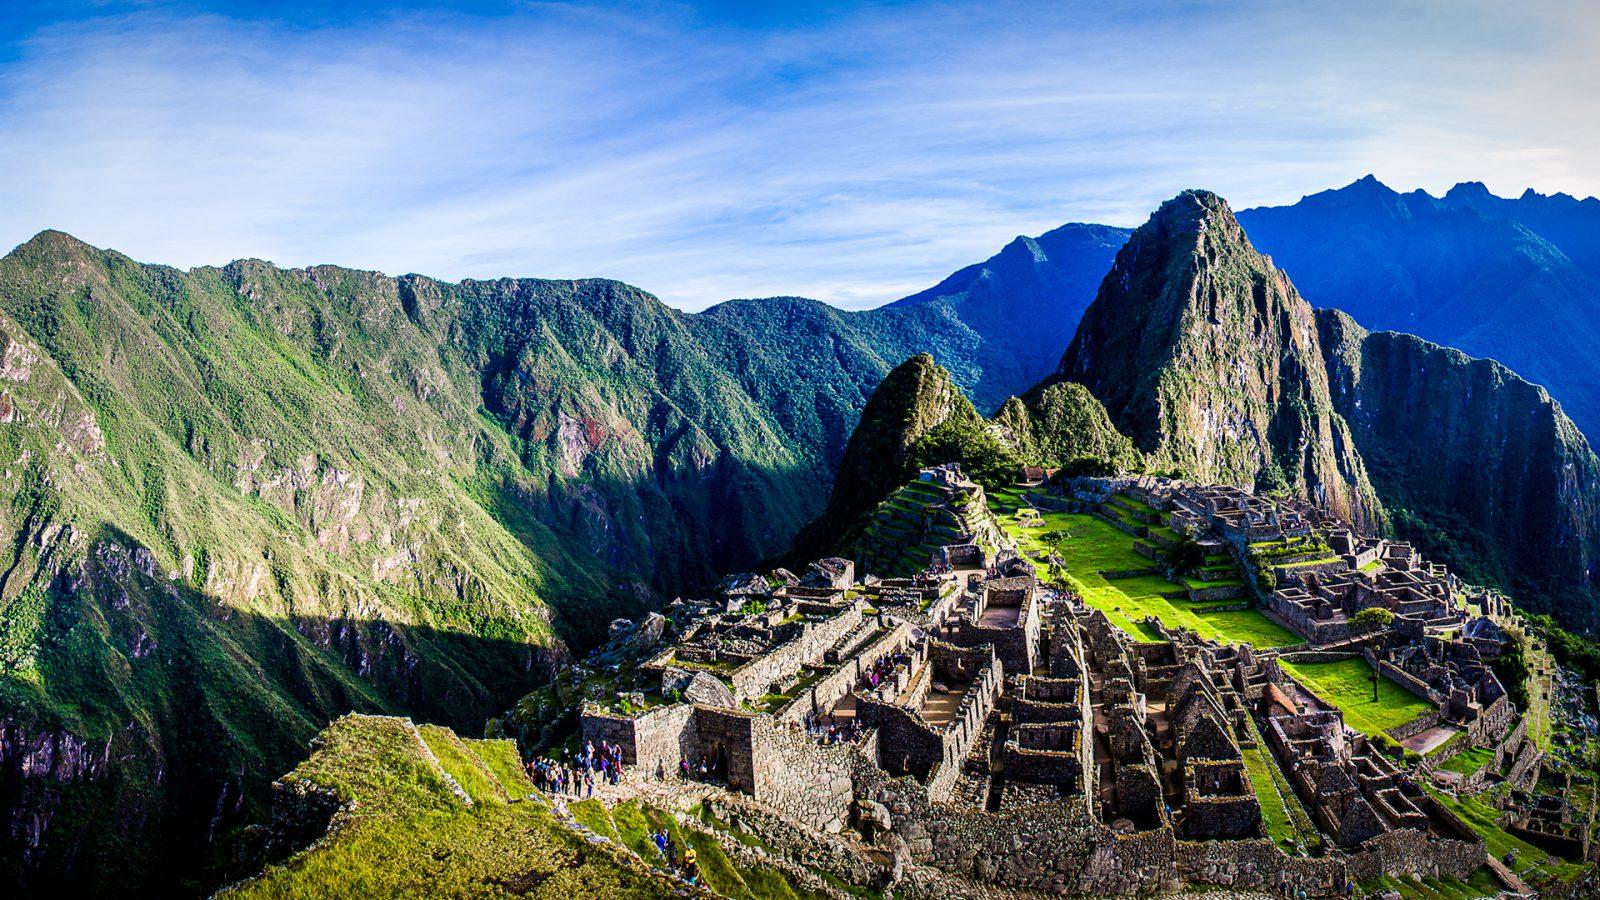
{"x":1092,"y":546}
{"x":1347,"y":684}
{"x":1534,"y":865}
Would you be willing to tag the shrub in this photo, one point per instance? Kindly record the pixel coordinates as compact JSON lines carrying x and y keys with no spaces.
{"x":1372,"y":618}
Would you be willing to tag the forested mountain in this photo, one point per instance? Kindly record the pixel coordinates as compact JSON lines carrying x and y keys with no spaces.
{"x":1511,"y":280}
{"x":242,"y":500}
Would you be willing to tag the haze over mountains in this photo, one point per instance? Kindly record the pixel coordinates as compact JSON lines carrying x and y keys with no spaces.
{"x":239,"y":501}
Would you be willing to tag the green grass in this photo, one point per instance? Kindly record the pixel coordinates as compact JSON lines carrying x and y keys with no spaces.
{"x":1282,"y":817}
{"x":1347,"y":684}
{"x":490,"y":849}
{"x":503,"y":762}
{"x":464,"y":766}
{"x":1481,"y":884}
{"x":1531,"y":862}
{"x":411,"y":836}
{"x":1093,"y":546}
{"x":1469,"y":762}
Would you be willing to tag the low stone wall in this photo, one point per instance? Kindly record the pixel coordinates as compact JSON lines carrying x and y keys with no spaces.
{"x":1318,"y":656}
{"x":1407,"y":851}
{"x":1258,"y":865}
{"x":1113,"y":574}
{"x":1403,"y":678}
{"x":1222,"y":592}
{"x":1415,"y":726}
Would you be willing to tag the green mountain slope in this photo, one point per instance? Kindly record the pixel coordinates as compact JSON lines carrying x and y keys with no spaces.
{"x":1206,"y":356}
{"x":245,"y":500}
{"x":1479,"y":467}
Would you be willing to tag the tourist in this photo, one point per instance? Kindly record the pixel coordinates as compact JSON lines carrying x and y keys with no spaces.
{"x":691,"y":872}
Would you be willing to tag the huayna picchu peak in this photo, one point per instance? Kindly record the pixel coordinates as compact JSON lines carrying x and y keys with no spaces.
{"x":1205,"y":355}
{"x":1016,"y":586}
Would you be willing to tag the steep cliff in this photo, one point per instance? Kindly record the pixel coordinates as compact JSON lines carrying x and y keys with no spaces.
{"x":1480,"y":467}
{"x":1205,"y":355}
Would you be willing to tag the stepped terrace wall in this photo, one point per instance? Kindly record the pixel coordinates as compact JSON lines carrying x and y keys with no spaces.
{"x":843,"y":678}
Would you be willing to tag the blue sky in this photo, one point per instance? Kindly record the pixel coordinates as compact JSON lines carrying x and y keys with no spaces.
{"x":849,"y":152}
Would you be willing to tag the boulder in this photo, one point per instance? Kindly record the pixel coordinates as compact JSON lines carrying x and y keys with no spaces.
{"x":648,"y":633}
{"x":675,"y":679}
{"x":709,"y":690}
{"x":873,"y":815}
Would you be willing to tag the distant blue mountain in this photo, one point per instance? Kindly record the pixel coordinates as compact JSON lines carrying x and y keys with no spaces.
{"x":1513,"y":280}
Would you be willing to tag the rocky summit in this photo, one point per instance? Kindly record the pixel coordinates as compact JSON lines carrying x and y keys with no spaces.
{"x":322,"y":581}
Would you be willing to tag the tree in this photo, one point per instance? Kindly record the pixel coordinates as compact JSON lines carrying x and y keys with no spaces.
{"x":1372,"y":618}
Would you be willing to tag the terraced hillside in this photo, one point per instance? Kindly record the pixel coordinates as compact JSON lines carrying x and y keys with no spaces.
{"x":905,"y":531}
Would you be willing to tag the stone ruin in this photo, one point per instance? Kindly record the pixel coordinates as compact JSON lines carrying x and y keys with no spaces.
{"x":978,"y":725}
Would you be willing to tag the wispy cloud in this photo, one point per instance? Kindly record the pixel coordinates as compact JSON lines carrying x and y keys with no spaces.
{"x":853,"y":156}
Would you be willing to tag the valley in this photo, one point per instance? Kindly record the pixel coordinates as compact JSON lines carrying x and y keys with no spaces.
{"x":323,"y":491}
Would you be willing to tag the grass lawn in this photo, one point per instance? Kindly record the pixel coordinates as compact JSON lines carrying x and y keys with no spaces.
{"x":1092,"y":546}
{"x":1469,"y":762}
{"x":1347,"y":684}
{"x":1282,"y":816}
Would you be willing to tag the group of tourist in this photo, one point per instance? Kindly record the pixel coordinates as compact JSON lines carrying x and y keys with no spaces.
{"x":879,"y":671}
{"x":828,"y":730}
{"x":575,"y":777}
{"x":685,"y":865}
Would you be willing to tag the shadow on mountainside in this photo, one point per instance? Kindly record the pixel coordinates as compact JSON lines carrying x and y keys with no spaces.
{"x":139,"y":744}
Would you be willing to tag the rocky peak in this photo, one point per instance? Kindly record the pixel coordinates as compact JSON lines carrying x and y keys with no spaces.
{"x":1207,"y":357}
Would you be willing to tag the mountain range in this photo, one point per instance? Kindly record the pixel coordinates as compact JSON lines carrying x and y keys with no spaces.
{"x":1204,"y":355}
{"x":1514,"y":280}
{"x":239,"y":501}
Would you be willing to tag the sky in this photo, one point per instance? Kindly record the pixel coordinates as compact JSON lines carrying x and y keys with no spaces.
{"x":854,"y":153}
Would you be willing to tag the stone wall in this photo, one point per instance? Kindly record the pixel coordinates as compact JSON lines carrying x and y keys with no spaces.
{"x":1221,"y":592}
{"x":757,"y":676}
{"x":800,"y":778}
{"x":805,"y":846}
{"x":1415,"y":726}
{"x":1258,"y":865}
{"x":728,"y":732}
{"x":656,"y":741}
{"x":1407,"y":851}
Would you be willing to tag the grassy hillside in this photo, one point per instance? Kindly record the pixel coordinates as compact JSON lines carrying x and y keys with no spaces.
{"x":425,"y":813}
